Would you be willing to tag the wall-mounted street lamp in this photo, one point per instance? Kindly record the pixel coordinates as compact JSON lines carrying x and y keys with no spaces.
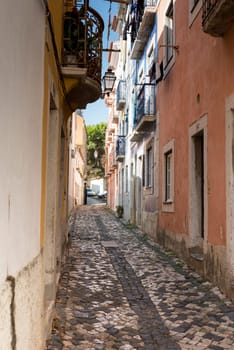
{"x":108,"y":81}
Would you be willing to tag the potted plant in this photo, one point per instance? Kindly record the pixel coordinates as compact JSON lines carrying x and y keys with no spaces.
{"x":119,"y":211}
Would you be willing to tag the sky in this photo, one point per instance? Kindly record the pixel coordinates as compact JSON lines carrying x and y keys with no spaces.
{"x":97,"y":112}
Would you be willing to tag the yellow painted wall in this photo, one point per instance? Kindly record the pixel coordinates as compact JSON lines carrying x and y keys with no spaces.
{"x":52,"y":81}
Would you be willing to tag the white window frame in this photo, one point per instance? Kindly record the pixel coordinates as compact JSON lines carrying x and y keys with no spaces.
{"x":168,"y":200}
{"x":141,"y":75}
{"x":150,"y":56}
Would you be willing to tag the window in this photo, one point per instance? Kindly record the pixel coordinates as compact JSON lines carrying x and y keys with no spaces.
{"x":193,"y":4}
{"x":143,"y":170}
{"x":149,"y":167}
{"x":168,"y":177}
{"x":140,"y":76}
{"x":151,"y":68}
{"x":194,"y":8}
{"x":169,"y":34}
{"x":126,"y":179}
{"x":150,"y":57}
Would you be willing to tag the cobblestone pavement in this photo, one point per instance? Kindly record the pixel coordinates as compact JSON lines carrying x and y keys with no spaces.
{"x":120,"y":290}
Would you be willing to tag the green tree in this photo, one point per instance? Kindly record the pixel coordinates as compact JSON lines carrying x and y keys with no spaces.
{"x":96,"y":142}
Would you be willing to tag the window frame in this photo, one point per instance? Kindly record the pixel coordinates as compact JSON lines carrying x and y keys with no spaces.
{"x":169,"y":51}
{"x":126,"y":179}
{"x":150,"y":58}
{"x":194,"y":8}
{"x":149,"y":167}
{"x":168,"y":177}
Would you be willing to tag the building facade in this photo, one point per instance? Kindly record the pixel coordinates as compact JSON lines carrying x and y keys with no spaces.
{"x":176,"y":180}
{"x":135,"y":107}
{"x":195,"y":109}
{"x":77,"y":160}
{"x":111,"y":172}
{"x":37,"y":74}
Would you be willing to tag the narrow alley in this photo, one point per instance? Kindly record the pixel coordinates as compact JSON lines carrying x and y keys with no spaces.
{"x":119,"y":290}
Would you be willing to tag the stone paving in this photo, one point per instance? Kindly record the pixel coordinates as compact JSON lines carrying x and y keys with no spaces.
{"x":120,"y":290}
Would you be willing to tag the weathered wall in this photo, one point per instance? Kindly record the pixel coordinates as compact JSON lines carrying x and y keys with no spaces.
{"x":24,"y":100}
{"x":21,"y":100}
{"x":202,"y":67}
{"x":197,"y":85}
{"x":5,"y":316}
{"x":21,"y":303}
{"x":29,"y":315}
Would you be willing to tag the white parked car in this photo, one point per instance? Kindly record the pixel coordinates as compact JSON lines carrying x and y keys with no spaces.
{"x":102,"y":194}
{"x":90,"y":193}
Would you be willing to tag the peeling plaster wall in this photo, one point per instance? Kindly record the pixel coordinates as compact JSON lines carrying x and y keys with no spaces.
{"x":29,"y":315}
{"x":5,"y":316}
{"x":21,"y":305}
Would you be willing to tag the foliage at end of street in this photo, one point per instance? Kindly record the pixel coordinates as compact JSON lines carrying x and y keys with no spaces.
{"x":96,"y":149}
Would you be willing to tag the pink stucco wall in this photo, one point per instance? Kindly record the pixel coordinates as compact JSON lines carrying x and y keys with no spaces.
{"x":203,"y":66}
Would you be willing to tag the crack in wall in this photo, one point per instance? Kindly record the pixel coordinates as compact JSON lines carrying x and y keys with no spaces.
{"x":11,"y":281}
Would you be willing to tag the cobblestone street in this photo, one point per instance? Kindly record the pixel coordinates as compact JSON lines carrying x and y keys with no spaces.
{"x":120,"y":290}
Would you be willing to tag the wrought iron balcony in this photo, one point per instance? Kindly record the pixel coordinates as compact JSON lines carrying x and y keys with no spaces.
{"x":82,"y":52}
{"x":145,"y":112}
{"x":121,"y":95}
{"x":140,"y":23}
{"x":217,"y":16}
{"x":120,"y":148}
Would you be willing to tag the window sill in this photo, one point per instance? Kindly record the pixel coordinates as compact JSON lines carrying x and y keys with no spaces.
{"x":169,"y":201}
{"x":168,"y":206}
{"x":148,"y":190}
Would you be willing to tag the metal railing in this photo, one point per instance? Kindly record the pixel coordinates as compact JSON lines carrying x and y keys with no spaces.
{"x":120,"y":94}
{"x":82,"y":38}
{"x":136,"y":14}
{"x":120,"y":146}
{"x":146,"y":103}
{"x":208,"y":7}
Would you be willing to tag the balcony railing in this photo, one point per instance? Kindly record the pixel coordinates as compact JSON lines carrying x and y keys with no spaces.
{"x":82,"y":38}
{"x":140,"y":23}
{"x":121,"y":95}
{"x":217,"y":16}
{"x":146,"y":105}
{"x":120,"y":148}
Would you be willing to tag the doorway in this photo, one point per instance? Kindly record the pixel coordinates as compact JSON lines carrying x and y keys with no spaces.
{"x":197,"y":195}
{"x":198,"y":142}
{"x":51,"y":204}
